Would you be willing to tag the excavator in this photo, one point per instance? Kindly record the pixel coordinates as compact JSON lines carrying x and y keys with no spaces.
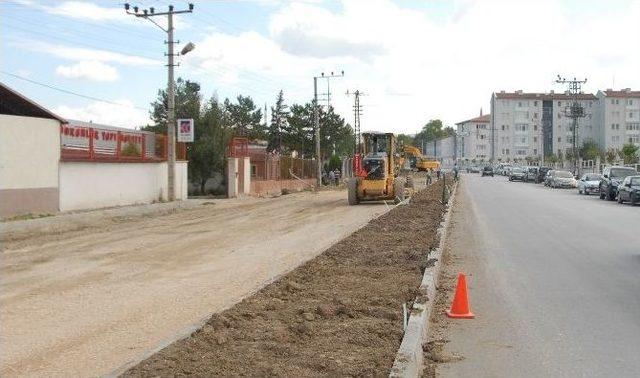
{"x":376,"y":171}
{"x":417,"y":160}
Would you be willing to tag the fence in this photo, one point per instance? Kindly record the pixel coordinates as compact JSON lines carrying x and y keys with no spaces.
{"x":275,"y":167}
{"x":79,"y":143}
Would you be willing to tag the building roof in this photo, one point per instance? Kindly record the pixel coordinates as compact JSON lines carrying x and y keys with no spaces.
{"x":481,"y":119}
{"x":627,"y":92}
{"x":502,"y":95}
{"x":13,"y":103}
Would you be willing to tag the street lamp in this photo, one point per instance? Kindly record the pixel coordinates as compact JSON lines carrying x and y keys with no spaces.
{"x":187,"y":48}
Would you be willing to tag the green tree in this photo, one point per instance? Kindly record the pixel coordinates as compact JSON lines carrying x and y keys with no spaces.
{"x":279,"y":115}
{"x":297,"y":133}
{"x":589,"y":150}
{"x":405,"y":140}
{"x":187,"y":105}
{"x":244,"y":118}
{"x":629,"y":153}
{"x":551,"y":159}
{"x":334,"y":163}
{"x":336,"y":137}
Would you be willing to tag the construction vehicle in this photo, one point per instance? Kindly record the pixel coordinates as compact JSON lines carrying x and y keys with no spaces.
{"x":376,"y":170}
{"x":418,"y":161}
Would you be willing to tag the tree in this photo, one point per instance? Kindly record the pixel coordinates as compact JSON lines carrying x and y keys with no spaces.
{"x":405,"y":140}
{"x":611,"y":155}
{"x":336,"y":136}
{"x":589,"y":150}
{"x":629,"y":153}
{"x":297,"y":132}
{"x":187,"y":105}
{"x":279,"y":115}
{"x":551,"y":158}
{"x":245,"y":118}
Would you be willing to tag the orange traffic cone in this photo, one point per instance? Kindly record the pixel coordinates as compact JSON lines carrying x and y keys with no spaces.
{"x":460,"y":306}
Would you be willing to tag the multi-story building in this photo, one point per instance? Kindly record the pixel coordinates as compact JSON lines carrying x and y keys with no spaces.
{"x":473,"y":142}
{"x":618,"y":115}
{"x":535,"y":125}
{"x":444,"y":150}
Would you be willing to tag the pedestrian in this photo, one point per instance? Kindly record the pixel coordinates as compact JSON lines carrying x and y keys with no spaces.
{"x":438,"y":173}
{"x":332,"y":178}
{"x":337,"y":176}
{"x":455,"y":172}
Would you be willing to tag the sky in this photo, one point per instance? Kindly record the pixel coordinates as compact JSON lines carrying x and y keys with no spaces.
{"x":414,"y":60}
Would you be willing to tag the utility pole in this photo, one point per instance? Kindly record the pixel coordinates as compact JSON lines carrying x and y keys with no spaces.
{"x":357,"y":112}
{"x":316,"y":122}
{"x":574,"y":111}
{"x":171,"y":117}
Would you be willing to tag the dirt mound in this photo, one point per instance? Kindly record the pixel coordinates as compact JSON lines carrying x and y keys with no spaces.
{"x":339,"y":314}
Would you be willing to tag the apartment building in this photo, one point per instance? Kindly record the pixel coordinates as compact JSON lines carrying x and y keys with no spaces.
{"x":535,"y":125}
{"x":618,"y":114}
{"x":473,"y":138}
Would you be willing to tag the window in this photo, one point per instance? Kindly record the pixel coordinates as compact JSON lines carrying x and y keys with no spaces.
{"x":613,"y":126}
{"x":629,"y":102}
{"x":559,"y":103}
{"x":559,"y":139}
{"x":535,"y":139}
{"x":519,"y":104}
{"x":613,"y":102}
{"x":535,"y":103}
{"x":535,"y":151}
{"x":617,"y":102}
{"x":521,"y":152}
{"x":634,"y":139}
{"x":633,"y":126}
{"x":254,"y":170}
{"x":507,"y":151}
{"x":535,"y":115}
{"x":521,"y":127}
{"x":630,"y":114}
{"x":535,"y":127}
{"x":559,"y":115}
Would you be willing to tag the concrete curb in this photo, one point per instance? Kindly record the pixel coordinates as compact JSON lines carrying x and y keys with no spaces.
{"x":409,"y":360}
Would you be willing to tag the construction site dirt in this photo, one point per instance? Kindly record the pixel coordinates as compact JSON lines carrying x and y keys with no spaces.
{"x":338,"y":314}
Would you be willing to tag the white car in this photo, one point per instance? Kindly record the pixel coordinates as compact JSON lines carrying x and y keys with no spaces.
{"x":589,"y":183}
{"x":562,"y":179}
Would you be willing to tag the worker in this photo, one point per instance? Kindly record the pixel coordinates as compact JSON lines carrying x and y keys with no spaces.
{"x":455,"y":172}
{"x":429,"y":179}
{"x":332,"y":178}
{"x":438,"y":173}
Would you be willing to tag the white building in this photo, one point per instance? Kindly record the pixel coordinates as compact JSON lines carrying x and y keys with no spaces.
{"x":531,"y":126}
{"x":618,"y":114}
{"x":473,"y":142}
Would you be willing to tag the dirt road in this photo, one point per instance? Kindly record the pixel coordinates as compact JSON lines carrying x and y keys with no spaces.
{"x":83,"y":303}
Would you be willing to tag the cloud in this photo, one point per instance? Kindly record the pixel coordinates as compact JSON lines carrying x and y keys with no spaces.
{"x":124,"y":114}
{"x":83,"y":54}
{"x":90,"y":70}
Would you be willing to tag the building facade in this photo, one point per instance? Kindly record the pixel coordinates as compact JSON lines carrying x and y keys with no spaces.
{"x":532,"y":126}
{"x":473,"y":142}
{"x":618,"y":114}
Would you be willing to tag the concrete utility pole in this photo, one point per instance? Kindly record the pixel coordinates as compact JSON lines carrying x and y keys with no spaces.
{"x":171,"y":117}
{"x":316,"y":122}
{"x":574,"y":111}
{"x":357,"y":112}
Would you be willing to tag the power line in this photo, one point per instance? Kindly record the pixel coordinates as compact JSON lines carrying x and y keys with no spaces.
{"x":69,"y":92}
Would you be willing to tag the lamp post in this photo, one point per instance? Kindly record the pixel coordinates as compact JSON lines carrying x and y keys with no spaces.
{"x":171,"y":117}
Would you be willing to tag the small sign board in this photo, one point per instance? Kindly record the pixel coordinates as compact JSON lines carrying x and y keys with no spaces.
{"x":185,"y":130}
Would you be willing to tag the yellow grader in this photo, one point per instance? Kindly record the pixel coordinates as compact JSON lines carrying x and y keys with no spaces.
{"x":376,"y":171}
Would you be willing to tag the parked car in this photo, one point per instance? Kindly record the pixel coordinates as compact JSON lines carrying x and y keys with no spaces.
{"x":487,"y":171}
{"x":516,"y":174}
{"x":548,"y":177}
{"x":532,"y":174}
{"x":589,"y":183}
{"x":473,"y":169}
{"x":629,"y":190}
{"x":562,"y":179}
{"x":542,"y":172}
{"x":611,"y":179}
{"x":508,"y":169}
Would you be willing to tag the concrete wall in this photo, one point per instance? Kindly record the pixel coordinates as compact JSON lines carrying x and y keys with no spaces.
{"x":85,"y":185}
{"x":29,"y":156}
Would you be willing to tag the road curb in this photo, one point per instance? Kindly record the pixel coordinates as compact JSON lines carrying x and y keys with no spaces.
{"x":409,"y":358}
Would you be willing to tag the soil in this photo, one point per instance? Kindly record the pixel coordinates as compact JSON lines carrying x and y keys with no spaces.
{"x":338,"y":314}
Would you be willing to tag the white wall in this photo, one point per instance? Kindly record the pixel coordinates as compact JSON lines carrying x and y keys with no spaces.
{"x":29,"y":152}
{"x":85,"y":185}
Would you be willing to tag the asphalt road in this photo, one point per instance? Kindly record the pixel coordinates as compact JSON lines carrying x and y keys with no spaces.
{"x":554,"y":281}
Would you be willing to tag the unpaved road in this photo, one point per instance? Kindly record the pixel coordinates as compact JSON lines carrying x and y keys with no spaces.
{"x":86,"y":302}
{"x":553,"y":280}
